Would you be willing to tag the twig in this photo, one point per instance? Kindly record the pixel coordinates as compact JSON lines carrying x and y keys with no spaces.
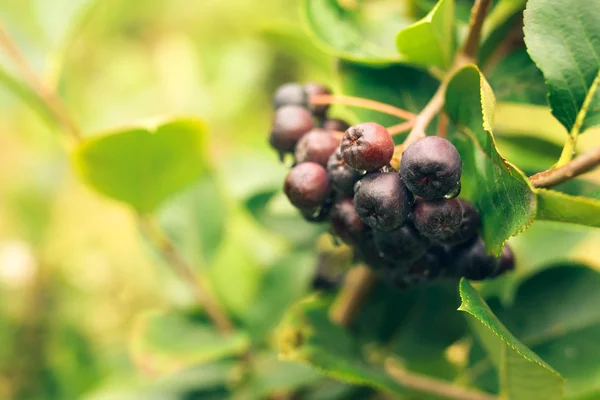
{"x":53,"y":103}
{"x":363,"y":103}
{"x":356,"y":287}
{"x":427,"y":115}
{"x":580,"y":165}
{"x":478,"y":13}
{"x":425,"y":384}
{"x":401,"y":127}
{"x":443,"y":125}
{"x":180,"y":266}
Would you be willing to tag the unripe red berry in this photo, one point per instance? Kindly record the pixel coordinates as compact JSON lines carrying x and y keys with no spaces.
{"x":367,"y":146}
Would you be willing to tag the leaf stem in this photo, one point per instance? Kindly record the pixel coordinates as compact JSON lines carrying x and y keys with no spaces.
{"x":580,"y":165}
{"x":48,"y":96}
{"x":185,"y":271}
{"x":363,"y":103}
{"x":356,"y":287}
{"x":425,"y":384}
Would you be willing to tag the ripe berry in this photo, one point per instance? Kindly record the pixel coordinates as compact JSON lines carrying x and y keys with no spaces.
{"x":469,"y":225}
{"x":431,"y":168}
{"x":307,"y":185}
{"x":345,"y":221}
{"x":367,"y":252}
{"x":319,"y":213}
{"x":472,"y":261}
{"x":316,"y":146}
{"x":367,"y":146}
{"x":403,"y":245}
{"x":290,"y":94}
{"x":334,"y":124}
{"x":290,"y":123}
{"x":382,"y":200}
{"x":439,"y":220}
{"x":314,"y":89}
{"x":342,"y":176}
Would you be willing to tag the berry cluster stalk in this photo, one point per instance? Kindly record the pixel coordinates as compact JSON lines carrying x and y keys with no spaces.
{"x":175,"y":261}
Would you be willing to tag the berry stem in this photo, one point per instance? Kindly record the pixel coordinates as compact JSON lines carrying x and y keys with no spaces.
{"x":356,"y":287}
{"x":580,"y":165}
{"x":49,"y":98}
{"x":185,"y":271}
{"x":363,"y":103}
{"x":426,"y":384}
{"x":401,"y":127}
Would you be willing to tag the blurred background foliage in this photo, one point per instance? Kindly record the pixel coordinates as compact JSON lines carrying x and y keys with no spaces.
{"x":74,"y":273}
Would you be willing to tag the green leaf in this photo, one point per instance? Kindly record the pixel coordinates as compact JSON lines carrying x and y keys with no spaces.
{"x":501,"y":192}
{"x":307,"y":335}
{"x":363,"y":32}
{"x":398,"y":85}
{"x":165,"y":342}
{"x":556,"y":206}
{"x":523,"y":374}
{"x":430,"y":41}
{"x":143,"y":166}
{"x":561,"y":37}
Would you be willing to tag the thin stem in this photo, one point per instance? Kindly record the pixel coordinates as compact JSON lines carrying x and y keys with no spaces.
{"x":49,"y":97}
{"x":478,"y":13}
{"x":401,"y":127}
{"x":443,"y":126}
{"x":580,"y":165}
{"x":356,"y":287}
{"x":185,"y":271}
{"x":427,"y":115}
{"x":425,"y":384}
{"x":363,"y":103}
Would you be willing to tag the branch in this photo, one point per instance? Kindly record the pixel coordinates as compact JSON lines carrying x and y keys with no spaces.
{"x":363,"y":103}
{"x":356,"y":287}
{"x":181,"y":268}
{"x":478,"y":13}
{"x":49,"y":97}
{"x":580,"y":165}
{"x":425,"y":384}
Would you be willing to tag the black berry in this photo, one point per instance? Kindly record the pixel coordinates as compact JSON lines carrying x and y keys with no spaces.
{"x":469,"y":225}
{"x":431,"y":168}
{"x":290,"y":94}
{"x":367,"y":146}
{"x":346,"y":223}
{"x":307,"y":185}
{"x":507,"y":260}
{"x":316,"y":145}
{"x":315,"y":89}
{"x":472,"y":261}
{"x":402,"y":245}
{"x":382,"y":201}
{"x":439,"y":220}
{"x":342,"y":176}
{"x":367,"y":252}
{"x":290,"y":123}
{"x":334,"y":124}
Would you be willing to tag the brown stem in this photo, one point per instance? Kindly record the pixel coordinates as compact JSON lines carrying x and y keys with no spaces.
{"x":185,"y":271}
{"x":401,"y":127}
{"x":356,"y":287}
{"x":363,"y":103}
{"x":478,"y":13}
{"x":49,"y":97}
{"x":427,"y":115}
{"x":443,"y":126}
{"x":580,"y":165}
{"x":425,"y":384}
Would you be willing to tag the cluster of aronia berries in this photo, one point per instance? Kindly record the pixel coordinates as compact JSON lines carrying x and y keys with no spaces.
{"x":407,"y":223}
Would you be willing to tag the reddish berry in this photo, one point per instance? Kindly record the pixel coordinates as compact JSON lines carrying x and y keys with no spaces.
{"x":367,"y":146}
{"x":316,"y":145}
{"x":307,"y":185}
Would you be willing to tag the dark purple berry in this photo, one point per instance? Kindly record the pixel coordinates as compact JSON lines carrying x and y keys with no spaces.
{"x":402,"y":245}
{"x":319,"y":213}
{"x":346,"y":223}
{"x":290,"y":94}
{"x":439,"y":220}
{"x":342,"y":177}
{"x":307,"y":185}
{"x":507,"y":260}
{"x":469,"y":225}
{"x":367,"y":252}
{"x":315,"y":89}
{"x":316,"y":146}
{"x":472,"y":261}
{"x":334,"y":124}
{"x":382,"y":200}
{"x":367,"y":146}
{"x":431,"y":168}
{"x":290,"y":123}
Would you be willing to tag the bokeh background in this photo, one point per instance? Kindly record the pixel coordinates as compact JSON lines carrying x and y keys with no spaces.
{"x":74,"y":272}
